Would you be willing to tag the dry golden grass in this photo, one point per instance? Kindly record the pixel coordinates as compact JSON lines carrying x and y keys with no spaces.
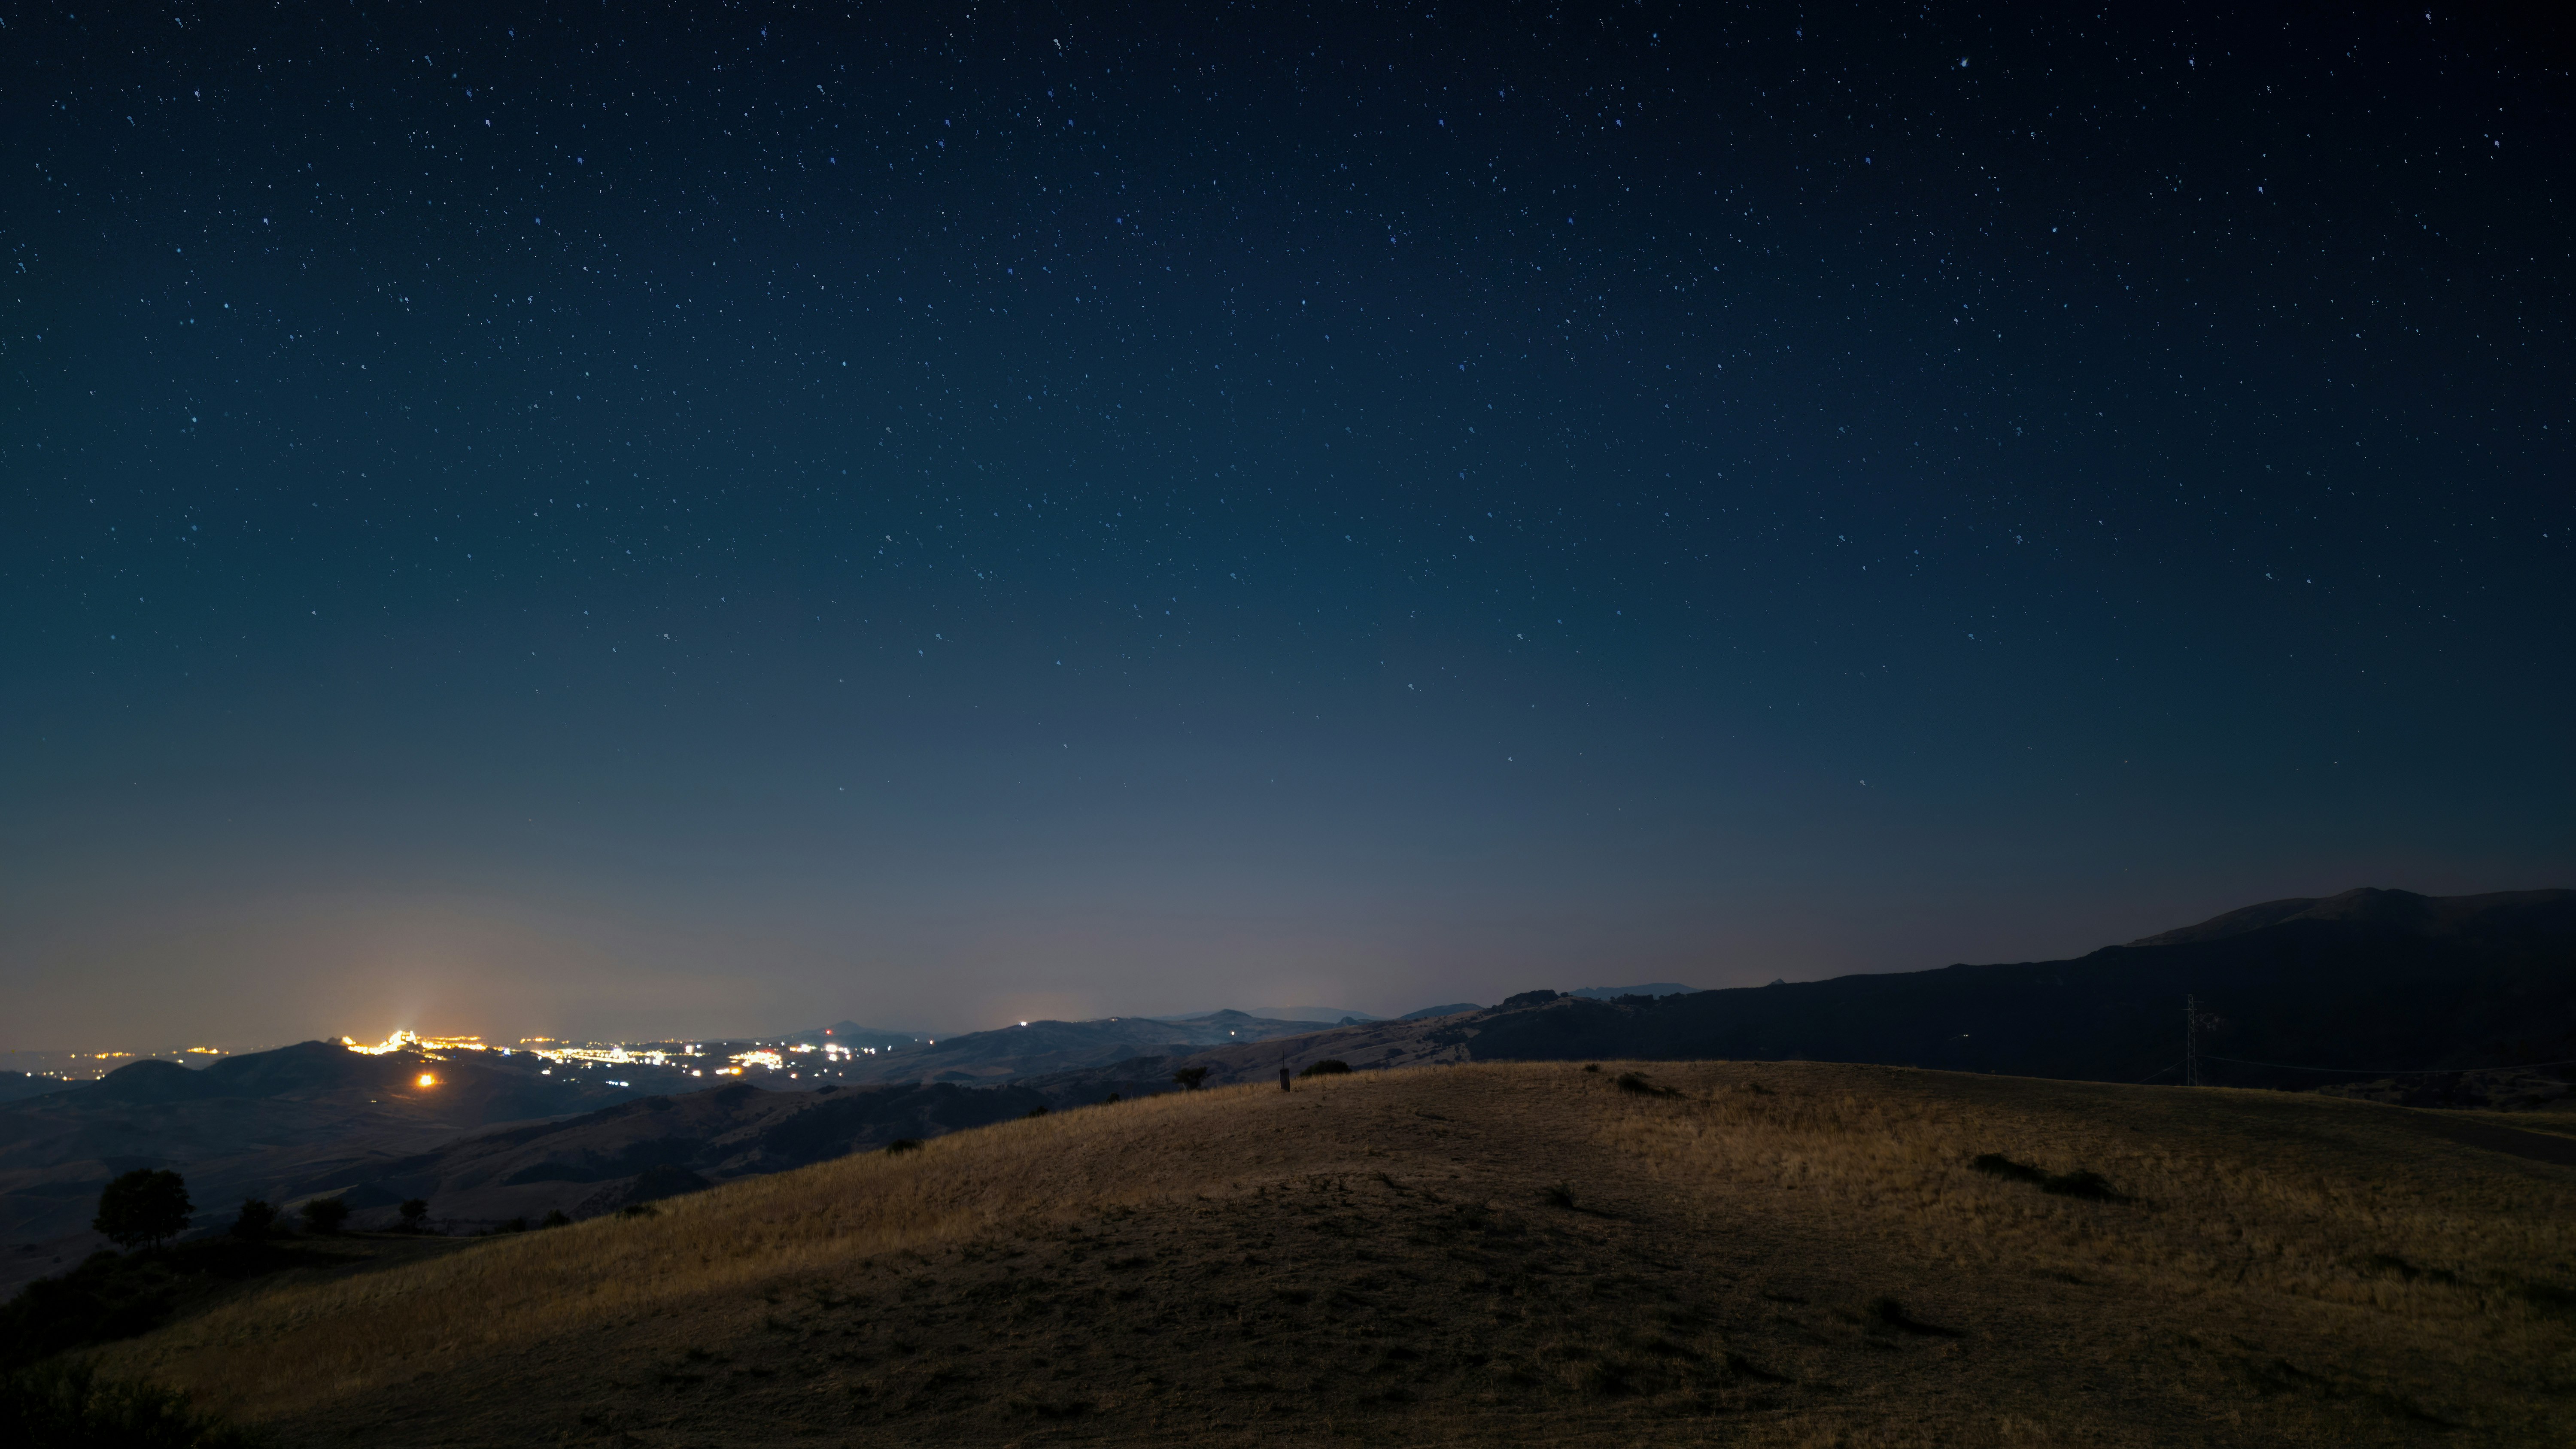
{"x":1787,"y":1254}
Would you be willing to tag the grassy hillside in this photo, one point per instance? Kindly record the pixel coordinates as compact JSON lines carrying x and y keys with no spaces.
{"x":1517,"y":1253}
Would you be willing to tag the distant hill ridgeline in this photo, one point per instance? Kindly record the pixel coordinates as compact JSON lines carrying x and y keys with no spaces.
{"x":2295,"y":993}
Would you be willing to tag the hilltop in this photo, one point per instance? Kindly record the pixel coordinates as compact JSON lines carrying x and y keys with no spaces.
{"x":1513,"y":1254}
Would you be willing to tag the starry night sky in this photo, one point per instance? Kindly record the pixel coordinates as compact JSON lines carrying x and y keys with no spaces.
{"x":639,"y":519}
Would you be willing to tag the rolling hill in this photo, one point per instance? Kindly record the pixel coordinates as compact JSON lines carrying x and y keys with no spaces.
{"x":1651,"y":1254}
{"x":278,"y":1125}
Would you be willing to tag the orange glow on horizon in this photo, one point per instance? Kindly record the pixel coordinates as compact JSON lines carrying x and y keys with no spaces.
{"x":427,"y":1080}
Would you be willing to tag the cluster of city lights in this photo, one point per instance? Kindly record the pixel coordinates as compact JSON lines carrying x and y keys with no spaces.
{"x":594,"y":1054}
{"x":431,"y":1047}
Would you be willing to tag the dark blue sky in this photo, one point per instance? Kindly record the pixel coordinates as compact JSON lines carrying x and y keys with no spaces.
{"x":624,"y":520}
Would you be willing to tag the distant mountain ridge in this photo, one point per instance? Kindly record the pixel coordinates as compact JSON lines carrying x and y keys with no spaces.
{"x":2297,"y":993}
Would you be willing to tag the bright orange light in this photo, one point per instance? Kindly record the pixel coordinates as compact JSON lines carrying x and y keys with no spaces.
{"x":427,"y":1080}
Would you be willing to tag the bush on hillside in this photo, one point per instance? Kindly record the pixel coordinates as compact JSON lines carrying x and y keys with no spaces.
{"x":554,"y":1218}
{"x":1328,"y":1067}
{"x":143,"y":1208}
{"x":415,"y":1215}
{"x":255,"y":1222}
{"x":325,"y":1215}
{"x":2082,"y":1182}
{"x":1190,"y":1077}
{"x":1641,"y":1085}
{"x":903,"y":1144}
{"x":67,"y":1406}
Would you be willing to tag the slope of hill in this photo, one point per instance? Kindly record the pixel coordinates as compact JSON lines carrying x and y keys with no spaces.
{"x":1520,"y":1254}
{"x":655,"y":1147}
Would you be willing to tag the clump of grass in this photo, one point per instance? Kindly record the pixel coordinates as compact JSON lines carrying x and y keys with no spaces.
{"x":1592,"y":1066}
{"x":2082,"y":1182}
{"x":638,"y":1210}
{"x":1039,"y":1110}
{"x":1559,"y":1195}
{"x":2551,"y":1298}
{"x":1887,"y":1314}
{"x":1328,"y":1067}
{"x":902,"y":1145}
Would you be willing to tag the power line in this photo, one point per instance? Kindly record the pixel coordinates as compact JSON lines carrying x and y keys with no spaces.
{"x":2389,"y":1071}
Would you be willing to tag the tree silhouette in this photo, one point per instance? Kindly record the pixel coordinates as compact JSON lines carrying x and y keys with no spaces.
{"x":415,"y":1212}
{"x":325,"y":1214}
{"x":143,"y":1207}
{"x":1190,"y":1077}
{"x":257,"y":1220}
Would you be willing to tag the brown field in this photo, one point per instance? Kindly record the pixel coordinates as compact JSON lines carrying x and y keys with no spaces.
{"x":1790,"y":1254}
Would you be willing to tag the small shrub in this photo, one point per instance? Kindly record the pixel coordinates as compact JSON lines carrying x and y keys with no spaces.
{"x":1328,"y":1067}
{"x":511,"y":1225}
{"x":325,"y":1215}
{"x":554,"y":1218}
{"x":638,"y":1210}
{"x":1995,"y":1164}
{"x":1887,"y":1313}
{"x":1112,"y":1097}
{"x":2083,"y":1182}
{"x":1190,"y":1077}
{"x":902,"y":1145}
{"x":2550,"y":1298}
{"x":1637,"y":1083}
{"x":1592,"y":1066}
{"x":415,"y":1214}
{"x":1038,"y":1111}
{"x":1560,"y":1195}
{"x":255,"y":1222}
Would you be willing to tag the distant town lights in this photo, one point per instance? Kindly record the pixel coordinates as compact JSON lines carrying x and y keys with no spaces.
{"x":427,"y":1080}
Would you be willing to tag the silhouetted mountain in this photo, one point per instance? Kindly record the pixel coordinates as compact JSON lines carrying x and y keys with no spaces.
{"x":1308,"y":1013}
{"x":1613,"y":993}
{"x":2358,"y":984}
{"x":1452,"y":1009}
{"x":1043,"y":1047}
{"x":2368,"y":980}
{"x":852,"y":1035}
